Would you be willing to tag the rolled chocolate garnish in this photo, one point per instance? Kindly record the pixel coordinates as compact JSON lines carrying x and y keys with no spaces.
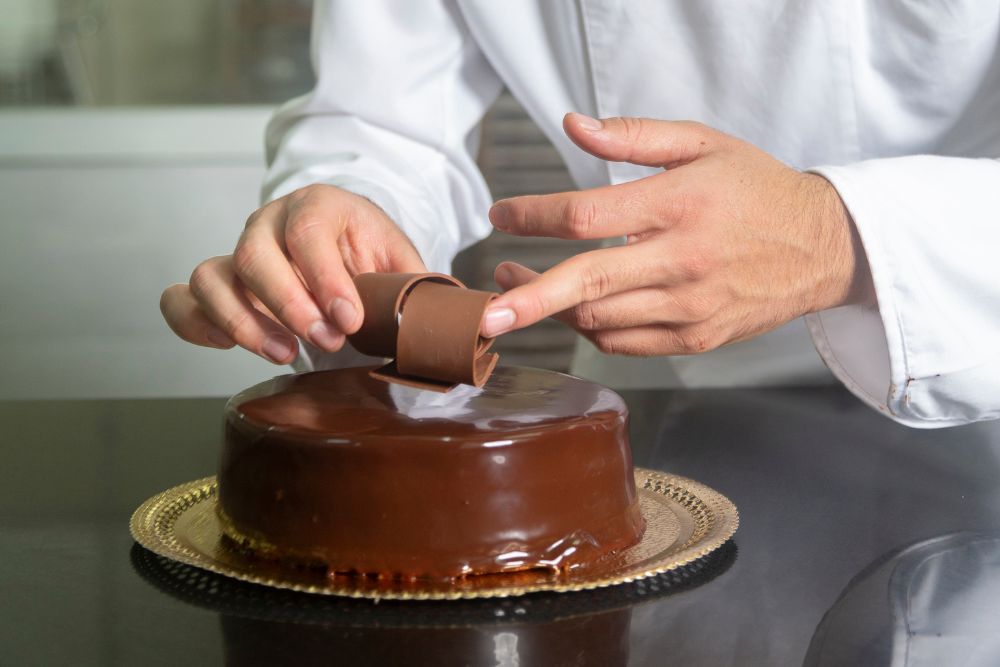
{"x":382,"y":296}
{"x":429,"y":323}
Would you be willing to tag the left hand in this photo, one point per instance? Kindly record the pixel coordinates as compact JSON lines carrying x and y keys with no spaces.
{"x":723,"y":245}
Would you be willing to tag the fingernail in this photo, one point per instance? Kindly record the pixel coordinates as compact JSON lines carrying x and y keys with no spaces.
{"x":503,"y":276}
{"x":588,"y":123}
{"x":277,"y":348}
{"x":217,"y":336}
{"x":497,"y":320}
{"x":325,"y":336}
{"x":500,"y":216}
{"x":344,"y":313}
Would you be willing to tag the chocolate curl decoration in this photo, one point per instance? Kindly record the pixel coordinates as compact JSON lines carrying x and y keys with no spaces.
{"x":429,"y":323}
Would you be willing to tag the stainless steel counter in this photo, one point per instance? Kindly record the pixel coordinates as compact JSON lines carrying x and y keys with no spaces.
{"x":859,"y":540}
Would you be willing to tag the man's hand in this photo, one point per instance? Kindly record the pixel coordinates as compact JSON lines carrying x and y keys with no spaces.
{"x":290,"y":275}
{"x":724,"y":245}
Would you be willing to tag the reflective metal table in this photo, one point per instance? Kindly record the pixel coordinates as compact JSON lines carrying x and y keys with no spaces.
{"x":860,"y":542}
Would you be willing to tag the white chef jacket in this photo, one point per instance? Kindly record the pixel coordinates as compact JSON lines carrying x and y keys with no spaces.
{"x":896,"y":102}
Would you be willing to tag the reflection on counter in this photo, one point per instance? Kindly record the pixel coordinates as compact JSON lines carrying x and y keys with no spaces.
{"x":598,"y":640}
{"x":263,"y":626}
{"x":931,"y":603}
{"x":147,"y":52}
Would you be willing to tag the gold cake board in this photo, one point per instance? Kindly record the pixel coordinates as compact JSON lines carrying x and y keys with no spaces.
{"x":685,"y":520}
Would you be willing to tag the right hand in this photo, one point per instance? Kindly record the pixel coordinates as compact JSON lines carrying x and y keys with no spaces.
{"x":290,"y":275}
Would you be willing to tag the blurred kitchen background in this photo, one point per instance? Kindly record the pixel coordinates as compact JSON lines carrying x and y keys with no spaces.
{"x":131,"y":148}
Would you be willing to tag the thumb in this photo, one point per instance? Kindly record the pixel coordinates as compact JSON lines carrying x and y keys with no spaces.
{"x":644,"y":141}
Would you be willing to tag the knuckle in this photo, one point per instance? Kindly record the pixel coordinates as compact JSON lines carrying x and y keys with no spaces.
{"x":696,"y":310}
{"x":536,"y":306}
{"x":685,"y":205}
{"x":700,"y":132}
{"x":585,"y":317}
{"x":302,"y":227}
{"x":596,"y":283}
{"x":632,"y":128}
{"x":252,"y":218}
{"x":288,"y":308}
{"x":261,"y":215}
{"x":580,"y":218}
{"x":614,"y":343}
{"x":634,"y":134}
{"x":248,"y":256}
{"x":697,"y":127}
{"x":304,"y":193}
{"x":607,"y":342}
{"x":237,"y":325}
{"x":695,"y":340}
{"x":202,"y":279}
{"x":697,"y":265}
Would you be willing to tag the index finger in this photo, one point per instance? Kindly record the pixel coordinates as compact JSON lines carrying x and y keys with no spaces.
{"x":604,"y":212}
{"x":311,"y":236}
{"x":586,"y":277}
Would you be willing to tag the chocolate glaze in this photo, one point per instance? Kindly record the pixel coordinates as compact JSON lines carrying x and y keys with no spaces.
{"x":532,"y":470}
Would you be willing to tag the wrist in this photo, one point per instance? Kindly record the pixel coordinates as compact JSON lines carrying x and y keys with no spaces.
{"x":844,"y":277}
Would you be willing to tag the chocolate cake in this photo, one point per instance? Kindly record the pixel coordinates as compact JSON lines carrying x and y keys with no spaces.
{"x":532,"y":470}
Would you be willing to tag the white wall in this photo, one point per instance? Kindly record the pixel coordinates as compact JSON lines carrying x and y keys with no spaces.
{"x":99,"y":211}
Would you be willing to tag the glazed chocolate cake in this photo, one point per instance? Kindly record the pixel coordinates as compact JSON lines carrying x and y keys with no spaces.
{"x":533,"y":470}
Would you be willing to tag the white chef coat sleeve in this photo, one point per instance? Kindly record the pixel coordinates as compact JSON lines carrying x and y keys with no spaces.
{"x":928,"y":355}
{"x":394,"y":116}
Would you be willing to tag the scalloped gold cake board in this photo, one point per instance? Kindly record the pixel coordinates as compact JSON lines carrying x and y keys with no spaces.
{"x":685,"y":520}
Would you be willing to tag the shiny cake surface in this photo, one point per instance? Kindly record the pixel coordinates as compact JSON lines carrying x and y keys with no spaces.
{"x":532,"y":470}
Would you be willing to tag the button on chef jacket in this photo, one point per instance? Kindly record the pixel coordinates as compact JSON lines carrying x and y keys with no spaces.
{"x":897,"y":103}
